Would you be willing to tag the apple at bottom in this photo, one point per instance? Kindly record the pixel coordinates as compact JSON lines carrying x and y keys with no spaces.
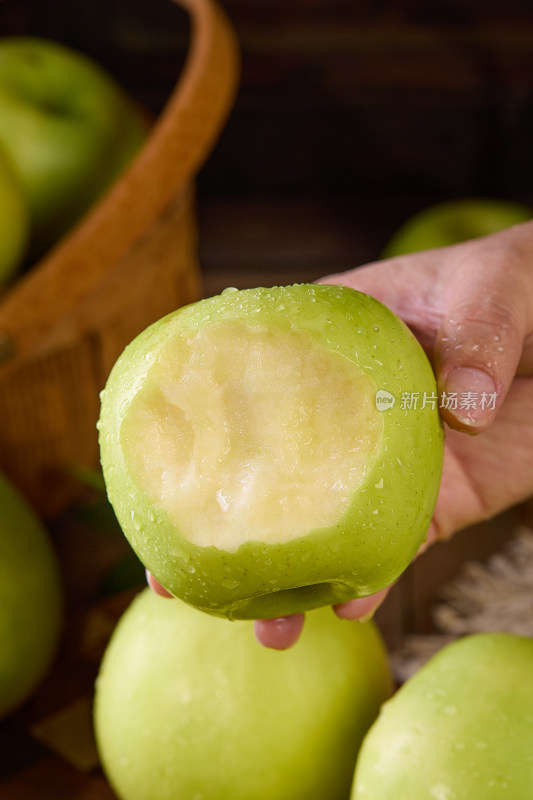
{"x":191,"y":706}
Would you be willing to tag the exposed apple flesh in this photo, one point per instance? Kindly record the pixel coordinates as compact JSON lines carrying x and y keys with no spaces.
{"x":254,"y":432}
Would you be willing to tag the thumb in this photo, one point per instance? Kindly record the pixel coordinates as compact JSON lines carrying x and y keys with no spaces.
{"x":479,"y":343}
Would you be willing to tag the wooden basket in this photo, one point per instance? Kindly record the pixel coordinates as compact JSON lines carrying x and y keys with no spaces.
{"x":130,"y":261}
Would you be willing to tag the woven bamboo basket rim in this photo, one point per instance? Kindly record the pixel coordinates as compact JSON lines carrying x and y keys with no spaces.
{"x":38,"y":314}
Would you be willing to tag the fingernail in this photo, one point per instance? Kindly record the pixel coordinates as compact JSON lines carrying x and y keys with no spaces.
{"x":469,"y":394}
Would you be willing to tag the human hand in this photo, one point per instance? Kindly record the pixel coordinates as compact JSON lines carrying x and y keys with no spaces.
{"x":471,"y":307}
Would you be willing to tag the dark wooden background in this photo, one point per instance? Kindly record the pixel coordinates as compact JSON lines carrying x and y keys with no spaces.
{"x":351,"y":115}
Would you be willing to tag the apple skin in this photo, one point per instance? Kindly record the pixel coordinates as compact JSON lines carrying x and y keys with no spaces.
{"x":14,"y":220}
{"x":30,"y":600}
{"x":455,"y":221}
{"x":460,"y":728}
{"x":388,"y":516}
{"x":188,"y":705}
{"x":68,"y":128}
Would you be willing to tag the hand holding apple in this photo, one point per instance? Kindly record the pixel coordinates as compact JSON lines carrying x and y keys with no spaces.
{"x":257,"y":453}
{"x":68,"y":128}
{"x":471,"y":306}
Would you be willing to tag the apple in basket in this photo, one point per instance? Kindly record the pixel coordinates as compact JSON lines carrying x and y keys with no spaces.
{"x":68,"y":128}
{"x":258,"y":454}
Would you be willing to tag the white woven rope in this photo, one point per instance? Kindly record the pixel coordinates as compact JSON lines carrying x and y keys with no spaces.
{"x":491,"y":597}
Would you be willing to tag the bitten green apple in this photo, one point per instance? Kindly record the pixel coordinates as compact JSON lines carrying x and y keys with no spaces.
{"x":14,"y":219}
{"x":30,"y":600}
{"x":460,"y":728}
{"x":67,"y":126}
{"x":259,"y":453}
{"x":453,"y":222}
{"x":189,"y":706}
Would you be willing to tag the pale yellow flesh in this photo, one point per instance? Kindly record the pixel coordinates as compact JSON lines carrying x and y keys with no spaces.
{"x":246,"y":432}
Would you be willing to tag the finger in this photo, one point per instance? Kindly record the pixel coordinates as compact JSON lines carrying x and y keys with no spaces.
{"x":406,"y":285}
{"x":280,"y":633}
{"x":479,"y":343}
{"x":363,"y":608}
{"x":155,"y":586}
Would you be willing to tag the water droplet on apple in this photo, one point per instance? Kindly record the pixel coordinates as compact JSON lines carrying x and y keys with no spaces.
{"x":230,"y":583}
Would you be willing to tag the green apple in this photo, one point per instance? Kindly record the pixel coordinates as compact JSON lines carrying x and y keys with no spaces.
{"x":14,"y":219}
{"x":258,"y":454}
{"x":68,"y":127}
{"x":190,"y":706}
{"x":30,"y":599}
{"x":460,"y":728}
{"x":453,"y":222}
